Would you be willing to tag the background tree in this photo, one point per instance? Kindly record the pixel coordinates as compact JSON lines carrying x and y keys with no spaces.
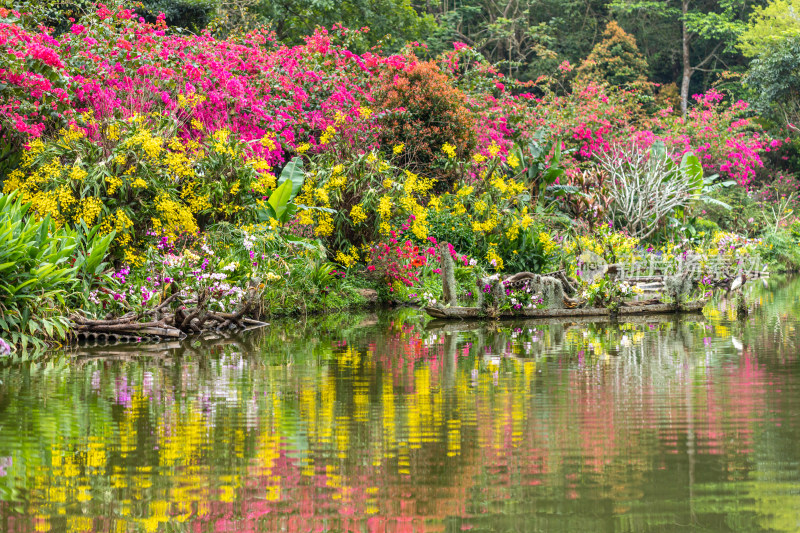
{"x":193,"y":15}
{"x":615,"y":60}
{"x":771,"y":25}
{"x":525,"y":38}
{"x":702,"y":34}
{"x":774,"y":78}
{"x":392,"y":23}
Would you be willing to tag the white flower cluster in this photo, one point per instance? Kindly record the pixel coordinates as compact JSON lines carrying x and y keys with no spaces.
{"x":428,"y":299}
{"x":249,"y":242}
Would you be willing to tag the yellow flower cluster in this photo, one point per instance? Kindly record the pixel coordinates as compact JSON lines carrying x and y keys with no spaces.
{"x":91,"y":207}
{"x":46,"y":204}
{"x":548,"y":244}
{"x":347,"y":259}
{"x":193,"y":100}
{"x":357,"y":214}
{"x":327,"y":135}
{"x":465,"y":191}
{"x":385,"y":207}
{"x":174,"y":215}
{"x":197,"y":202}
{"x":134,"y":258}
{"x":220,"y":144}
{"x":489,"y":224}
{"x":489,"y":208}
{"x":179,"y":164}
{"x":508,"y":189}
{"x":114,"y":183}
{"x":494,"y":258}
{"x":77,"y":174}
{"x":512,"y":232}
{"x":414,"y":184}
{"x":268,"y":141}
{"x":121,"y":223}
{"x":113,"y":131}
{"x":265,"y":183}
{"x":152,"y":146}
{"x":525,"y":220}
{"x":603,"y":242}
{"x":67,"y":137}
{"x":324,"y":225}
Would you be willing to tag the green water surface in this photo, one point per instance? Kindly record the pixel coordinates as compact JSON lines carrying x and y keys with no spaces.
{"x":390,"y":423}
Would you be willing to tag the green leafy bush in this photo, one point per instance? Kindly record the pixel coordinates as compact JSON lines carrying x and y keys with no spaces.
{"x":43,"y":270}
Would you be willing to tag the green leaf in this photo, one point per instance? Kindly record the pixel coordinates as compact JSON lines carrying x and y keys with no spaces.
{"x":691,"y":167}
{"x":293,"y":172}
{"x":280,"y":197}
{"x":267,"y":212}
{"x":98,"y":253}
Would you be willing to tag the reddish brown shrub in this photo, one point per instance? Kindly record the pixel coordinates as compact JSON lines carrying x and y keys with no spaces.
{"x":424,"y":111}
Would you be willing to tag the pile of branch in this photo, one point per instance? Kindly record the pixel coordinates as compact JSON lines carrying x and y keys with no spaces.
{"x":173,"y":318}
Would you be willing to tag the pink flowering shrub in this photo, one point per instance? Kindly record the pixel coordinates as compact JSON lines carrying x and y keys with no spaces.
{"x":397,"y":262}
{"x":115,"y":65}
{"x":724,"y":137}
{"x":318,"y":97}
{"x":590,"y":118}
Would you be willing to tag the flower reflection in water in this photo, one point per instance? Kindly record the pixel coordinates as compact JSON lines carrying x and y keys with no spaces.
{"x":395,"y":426}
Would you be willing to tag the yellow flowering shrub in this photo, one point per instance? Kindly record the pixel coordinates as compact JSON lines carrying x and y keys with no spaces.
{"x":365,"y":199}
{"x":136,"y":177}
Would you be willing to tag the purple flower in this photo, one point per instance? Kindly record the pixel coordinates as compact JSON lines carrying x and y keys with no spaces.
{"x":5,"y":348}
{"x":5,"y":463}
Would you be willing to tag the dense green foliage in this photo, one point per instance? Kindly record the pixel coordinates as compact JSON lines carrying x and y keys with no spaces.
{"x":615,"y":60}
{"x":774,"y":78}
{"x":43,"y":270}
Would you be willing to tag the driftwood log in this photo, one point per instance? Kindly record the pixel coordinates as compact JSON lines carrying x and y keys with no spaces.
{"x":476,"y":312}
{"x":173,"y":318}
{"x":557,"y":290}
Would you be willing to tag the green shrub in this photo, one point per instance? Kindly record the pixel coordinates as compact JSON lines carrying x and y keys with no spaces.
{"x":193,"y":15}
{"x":43,"y":271}
{"x":780,"y":250}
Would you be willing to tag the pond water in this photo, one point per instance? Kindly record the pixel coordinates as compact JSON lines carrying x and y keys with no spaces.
{"x":387,"y":423}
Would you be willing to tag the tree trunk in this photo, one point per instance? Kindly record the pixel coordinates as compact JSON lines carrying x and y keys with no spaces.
{"x":687,"y":65}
